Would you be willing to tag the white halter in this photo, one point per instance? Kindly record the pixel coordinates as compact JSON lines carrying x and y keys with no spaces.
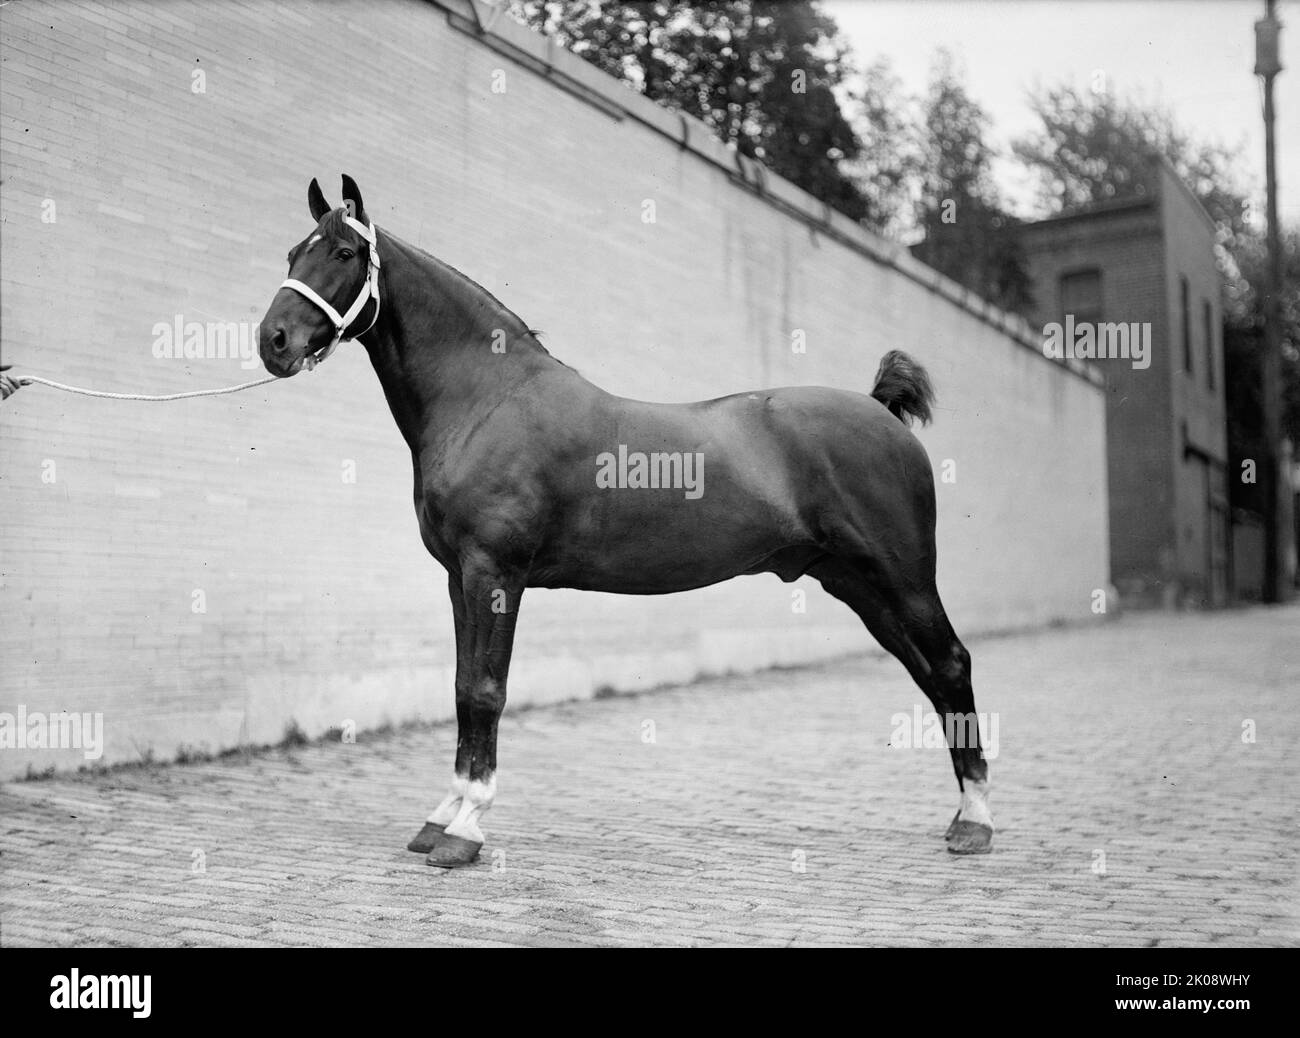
{"x":370,"y":290}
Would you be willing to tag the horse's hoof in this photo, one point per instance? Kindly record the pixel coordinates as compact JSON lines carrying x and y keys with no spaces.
{"x":452,"y":852}
{"x":952,"y":826}
{"x":970,"y":838}
{"x":425,"y":838}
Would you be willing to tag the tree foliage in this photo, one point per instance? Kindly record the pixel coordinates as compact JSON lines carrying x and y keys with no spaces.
{"x":761,"y":74}
{"x":1096,"y":147}
{"x":967,"y":232}
{"x":1243,"y":342}
{"x":887,"y":166}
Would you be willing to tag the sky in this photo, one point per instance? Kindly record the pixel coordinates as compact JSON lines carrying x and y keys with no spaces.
{"x":1194,"y":56}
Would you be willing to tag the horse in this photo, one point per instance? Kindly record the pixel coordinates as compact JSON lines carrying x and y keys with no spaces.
{"x":528,"y":475}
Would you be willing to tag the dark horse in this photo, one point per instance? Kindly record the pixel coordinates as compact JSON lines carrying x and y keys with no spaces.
{"x":527,"y":475}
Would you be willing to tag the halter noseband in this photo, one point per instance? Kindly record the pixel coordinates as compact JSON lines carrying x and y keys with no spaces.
{"x":370,"y":290}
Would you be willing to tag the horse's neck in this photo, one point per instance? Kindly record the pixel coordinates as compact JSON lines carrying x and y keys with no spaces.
{"x":443,"y":347}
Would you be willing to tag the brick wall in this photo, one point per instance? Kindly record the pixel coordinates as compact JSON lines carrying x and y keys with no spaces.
{"x":1160,"y":521}
{"x":1198,"y":415}
{"x":318,"y":603}
{"x":1126,"y":244}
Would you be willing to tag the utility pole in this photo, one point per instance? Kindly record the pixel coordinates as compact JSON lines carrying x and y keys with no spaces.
{"x":1277,"y":528}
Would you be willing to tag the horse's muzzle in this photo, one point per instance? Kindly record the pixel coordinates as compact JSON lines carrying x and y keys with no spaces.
{"x":281,"y":355}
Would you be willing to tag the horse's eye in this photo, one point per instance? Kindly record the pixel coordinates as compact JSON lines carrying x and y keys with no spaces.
{"x":346,"y":254}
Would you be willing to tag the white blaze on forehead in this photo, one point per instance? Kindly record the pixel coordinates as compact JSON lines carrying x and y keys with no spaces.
{"x":312,"y":241}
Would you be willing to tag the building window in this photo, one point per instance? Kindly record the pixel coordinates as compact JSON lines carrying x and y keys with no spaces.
{"x":1207,"y":316}
{"x":1187,"y":324}
{"x":1081,"y":296}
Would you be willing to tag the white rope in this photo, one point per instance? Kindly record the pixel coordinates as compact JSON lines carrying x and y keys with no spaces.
{"x":24,"y":380}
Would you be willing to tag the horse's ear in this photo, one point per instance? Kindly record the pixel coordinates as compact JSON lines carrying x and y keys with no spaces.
{"x":316,"y":200}
{"x":352,"y":196}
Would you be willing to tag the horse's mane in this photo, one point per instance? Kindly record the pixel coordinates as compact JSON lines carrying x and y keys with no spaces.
{"x":469,"y":283}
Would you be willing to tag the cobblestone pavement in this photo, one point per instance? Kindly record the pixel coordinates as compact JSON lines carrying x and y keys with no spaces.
{"x":769,"y":809}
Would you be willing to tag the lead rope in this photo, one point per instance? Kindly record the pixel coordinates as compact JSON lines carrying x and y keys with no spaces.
{"x":27,"y":380}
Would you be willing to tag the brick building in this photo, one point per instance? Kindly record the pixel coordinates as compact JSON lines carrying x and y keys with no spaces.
{"x":1148,"y":264}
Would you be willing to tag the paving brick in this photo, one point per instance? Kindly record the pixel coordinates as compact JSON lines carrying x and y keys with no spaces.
{"x":666,"y":872}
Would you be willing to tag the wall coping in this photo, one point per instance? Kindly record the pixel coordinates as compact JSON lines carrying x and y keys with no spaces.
{"x":493,"y":27}
{"x":1167,"y":176}
{"x":1116,"y":207}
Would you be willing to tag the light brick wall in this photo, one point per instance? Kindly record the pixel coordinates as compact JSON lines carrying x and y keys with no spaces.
{"x":321,"y":605}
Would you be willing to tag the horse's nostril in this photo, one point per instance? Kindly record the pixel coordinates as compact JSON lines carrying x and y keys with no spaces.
{"x":278,"y":342}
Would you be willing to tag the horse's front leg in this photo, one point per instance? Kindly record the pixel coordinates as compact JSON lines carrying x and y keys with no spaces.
{"x":449,"y":807}
{"x":486,"y":629}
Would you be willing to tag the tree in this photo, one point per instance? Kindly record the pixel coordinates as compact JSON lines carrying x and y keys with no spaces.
{"x":1096,"y":147}
{"x":761,"y":74}
{"x":887,"y":167}
{"x":968,"y":235}
{"x":1243,"y":343}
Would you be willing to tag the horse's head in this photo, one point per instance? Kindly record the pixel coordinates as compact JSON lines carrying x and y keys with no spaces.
{"x":332,"y":291}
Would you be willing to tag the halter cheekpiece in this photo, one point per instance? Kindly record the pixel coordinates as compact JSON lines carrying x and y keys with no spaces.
{"x":370,"y":290}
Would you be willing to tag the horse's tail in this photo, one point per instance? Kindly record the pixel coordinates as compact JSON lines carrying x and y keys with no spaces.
{"x":903,"y":386}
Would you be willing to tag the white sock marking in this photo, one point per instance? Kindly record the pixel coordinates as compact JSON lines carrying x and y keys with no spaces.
{"x":450,"y":806}
{"x":975,"y":803}
{"x":477,"y":798}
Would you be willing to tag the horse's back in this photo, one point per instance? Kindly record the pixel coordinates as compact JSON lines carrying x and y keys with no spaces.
{"x":820,"y":435}
{"x":843,"y":426}
{"x":854,"y":470}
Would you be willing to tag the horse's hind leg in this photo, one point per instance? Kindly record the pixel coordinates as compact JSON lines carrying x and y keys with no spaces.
{"x":911,"y":624}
